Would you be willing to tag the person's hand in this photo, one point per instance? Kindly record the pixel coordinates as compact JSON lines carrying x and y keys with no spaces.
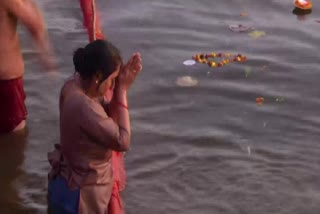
{"x":49,"y":61}
{"x":129,"y":72}
{"x":47,"y":57}
{"x":51,"y":67}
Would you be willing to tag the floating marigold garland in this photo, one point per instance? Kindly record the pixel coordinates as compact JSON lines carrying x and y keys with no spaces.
{"x":226,"y":59}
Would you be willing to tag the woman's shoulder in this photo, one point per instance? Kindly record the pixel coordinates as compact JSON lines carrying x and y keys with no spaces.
{"x":71,"y":94}
{"x":69,"y":84}
{"x":69,"y":89}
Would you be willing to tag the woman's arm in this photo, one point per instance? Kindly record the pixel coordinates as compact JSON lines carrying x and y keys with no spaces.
{"x":103,"y":129}
{"x":118,"y":109}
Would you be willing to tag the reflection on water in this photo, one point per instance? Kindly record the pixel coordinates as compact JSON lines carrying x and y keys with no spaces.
{"x":12,"y":147}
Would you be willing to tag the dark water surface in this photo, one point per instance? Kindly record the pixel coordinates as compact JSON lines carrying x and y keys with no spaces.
{"x":204,"y":149}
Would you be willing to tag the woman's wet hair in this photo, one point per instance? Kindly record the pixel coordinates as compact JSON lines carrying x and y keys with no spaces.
{"x":99,"y":56}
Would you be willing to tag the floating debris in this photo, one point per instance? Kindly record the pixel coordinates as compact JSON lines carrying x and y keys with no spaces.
{"x":301,"y":14}
{"x":264,"y":67}
{"x":244,"y":14}
{"x":303,"y":4}
{"x":257,"y":34}
{"x":239,"y":28}
{"x":279,"y":99}
{"x":249,"y":150}
{"x":189,"y":62}
{"x":247,"y":71}
{"x":259,"y":101}
{"x":264,"y":124}
{"x":187,"y":81}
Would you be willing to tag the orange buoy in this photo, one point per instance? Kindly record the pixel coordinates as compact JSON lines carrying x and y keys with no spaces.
{"x":303,"y":4}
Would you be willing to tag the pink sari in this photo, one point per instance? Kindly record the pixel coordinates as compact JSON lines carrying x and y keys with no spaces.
{"x":92,"y":23}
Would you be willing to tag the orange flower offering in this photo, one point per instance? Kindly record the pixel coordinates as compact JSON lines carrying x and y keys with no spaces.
{"x":303,"y":4}
{"x":259,"y":100}
{"x":226,"y":59}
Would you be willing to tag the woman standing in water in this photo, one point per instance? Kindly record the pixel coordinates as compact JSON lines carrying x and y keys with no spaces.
{"x":92,"y":23}
{"x":81,"y":178}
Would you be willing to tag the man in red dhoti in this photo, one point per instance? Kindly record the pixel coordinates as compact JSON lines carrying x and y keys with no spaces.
{"x":92,"y":23}
{"x":13,"y":112}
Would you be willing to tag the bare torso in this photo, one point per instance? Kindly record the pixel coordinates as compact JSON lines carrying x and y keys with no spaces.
{"x":11,"y":61}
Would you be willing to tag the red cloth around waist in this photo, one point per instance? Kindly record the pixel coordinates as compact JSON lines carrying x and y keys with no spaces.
{"x":12,"y":107}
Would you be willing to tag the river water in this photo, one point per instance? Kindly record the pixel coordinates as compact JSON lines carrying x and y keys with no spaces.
{"x":203,"y":149}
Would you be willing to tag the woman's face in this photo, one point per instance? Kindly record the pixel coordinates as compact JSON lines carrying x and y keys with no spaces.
{"x":108,"y":83}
